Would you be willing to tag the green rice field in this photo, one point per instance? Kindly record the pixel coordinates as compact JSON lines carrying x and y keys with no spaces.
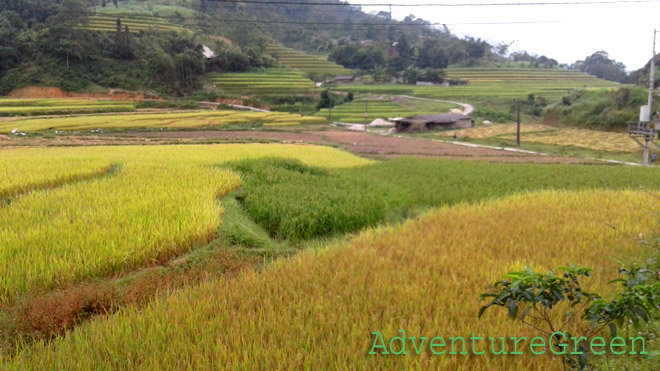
{"x":384,"y":108}
{"x":35,"y":107}
{"x":270,"y":81}
{"x":507,"y":83}
{"x":304,"y":62}
{"x":135,"y":25}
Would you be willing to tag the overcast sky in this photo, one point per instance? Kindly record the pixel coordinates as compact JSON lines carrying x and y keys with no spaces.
{"x":564,"y":32}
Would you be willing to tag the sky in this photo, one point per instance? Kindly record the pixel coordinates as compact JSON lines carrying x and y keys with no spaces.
{"x":566,"y":33}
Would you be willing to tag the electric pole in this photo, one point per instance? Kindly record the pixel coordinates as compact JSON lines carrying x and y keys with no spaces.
{"x":518,"y":124}
{"x":652,"y":77}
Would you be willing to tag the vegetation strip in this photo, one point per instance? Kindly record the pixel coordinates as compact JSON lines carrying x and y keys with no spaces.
{"x":324,"y":302}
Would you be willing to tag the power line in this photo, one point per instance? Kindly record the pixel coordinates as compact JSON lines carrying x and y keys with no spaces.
{"x":601,"y":2}
{"x":299,"y":23}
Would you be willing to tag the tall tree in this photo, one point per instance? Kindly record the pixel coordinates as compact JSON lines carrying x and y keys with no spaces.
{"x":600,"y":65}
{"x":65,"y":37}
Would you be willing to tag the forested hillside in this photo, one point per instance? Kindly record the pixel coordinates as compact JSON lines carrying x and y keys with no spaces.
{"x":159,"y":45}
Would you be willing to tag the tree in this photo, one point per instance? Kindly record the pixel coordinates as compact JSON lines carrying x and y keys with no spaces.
{"x":123,"y":42}
{"x":600,"y":65}
{"x":65,"y":38}
{"x":403,"y":47}
{"x":116,"y":4}
{"x":103,"y":3}
{"x":432,"y":55}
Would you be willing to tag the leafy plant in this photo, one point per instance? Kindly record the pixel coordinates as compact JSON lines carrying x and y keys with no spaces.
{"x":530,"y":298}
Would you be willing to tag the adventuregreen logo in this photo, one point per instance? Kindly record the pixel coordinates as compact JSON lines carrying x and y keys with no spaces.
{"x":558,"y":343}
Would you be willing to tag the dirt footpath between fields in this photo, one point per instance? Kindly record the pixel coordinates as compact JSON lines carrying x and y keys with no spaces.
{"x":361,"y":144}
{"x":357,"y":142}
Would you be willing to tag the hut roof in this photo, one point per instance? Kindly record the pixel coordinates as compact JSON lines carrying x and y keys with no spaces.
{"x":446,"y":118}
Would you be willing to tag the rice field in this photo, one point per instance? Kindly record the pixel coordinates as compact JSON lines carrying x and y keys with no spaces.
{"x":184,"y":120}
{"x":34,"y":107}
{"x":270,"y":81}
{"x":305,"y":62}
{"x":591,"y":139}
{"x":108,"y":23}
{"x":382,"y":107}
{"x":544,"y":134}
{"x":22,"y":174}
{"x":161,"y":201}
{"x":319,"y":308}
{"x":491,"y":131}
{"x":515,"y":83}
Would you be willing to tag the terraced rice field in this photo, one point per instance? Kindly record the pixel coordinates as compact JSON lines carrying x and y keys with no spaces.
{"x":305,"y":62}
{"x":592,"y":139}
{"x":270,"y":81}
{"x":381,"y":108}
{"x":159,"y":201}
{"x":35,"y":107}
{"x":544,"y":134}
{"x":185,"y":120}
{"x":135,"y":25}
{"x":491,"y":131}
{"x":496,"y":82}
{"x":320,"y":308}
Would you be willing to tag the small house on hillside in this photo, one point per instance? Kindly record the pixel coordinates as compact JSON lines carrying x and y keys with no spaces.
{"x":344,"y":79}
{"x":432,"y":122}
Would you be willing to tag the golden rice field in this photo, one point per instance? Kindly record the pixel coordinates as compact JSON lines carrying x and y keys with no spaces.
{"x":592,"y":139}
{"x":21,"y":174}
{"x":544,"y":134}
{"x":495,"y":130}
{"x":183,"y":120}
{"x":319,"y":309}
{"x":161,"y":201}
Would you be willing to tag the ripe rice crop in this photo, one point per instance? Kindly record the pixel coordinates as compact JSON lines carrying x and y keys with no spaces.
{"x":217,"y":119}
{"x":496,"y":130}
{"x":161,"y":202}
{"x":318,"y":309}
{"x":592,"y":139}
{"x":21,"y":174}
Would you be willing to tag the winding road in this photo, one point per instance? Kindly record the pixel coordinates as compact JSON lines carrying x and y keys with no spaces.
{"x":467,"y":108}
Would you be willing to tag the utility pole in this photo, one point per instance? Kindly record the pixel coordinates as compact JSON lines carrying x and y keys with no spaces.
{"x":390,"y":12}
{"x":518,"y":124}
{"x":652,"y":77}
{"x":366,"y":111}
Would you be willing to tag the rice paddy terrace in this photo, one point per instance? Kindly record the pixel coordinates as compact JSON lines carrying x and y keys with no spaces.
{"x":506,"y":83}
{"x":34,"y":107}
{"x":134,"y":24}
{"x":304,"y":62}
{"x":366,"y":109}
{"x":270,"y":81}
{"x":161,"y":121}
